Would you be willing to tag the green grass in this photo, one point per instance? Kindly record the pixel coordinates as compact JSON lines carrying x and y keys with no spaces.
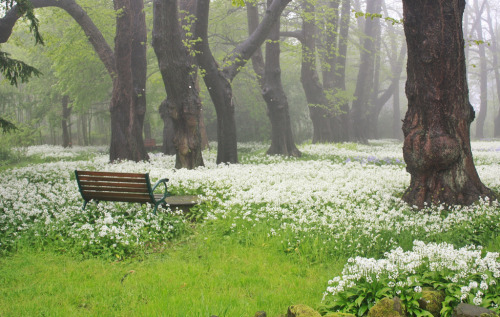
{"x":195,"y":277}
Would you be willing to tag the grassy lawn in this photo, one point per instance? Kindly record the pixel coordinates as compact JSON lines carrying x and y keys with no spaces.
{"x":195,"y":278}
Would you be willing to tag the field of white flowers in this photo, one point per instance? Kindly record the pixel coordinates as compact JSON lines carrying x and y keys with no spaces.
{"x":338,"y":200}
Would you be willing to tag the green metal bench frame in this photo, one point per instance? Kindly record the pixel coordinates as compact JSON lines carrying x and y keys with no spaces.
{"x":123,"y":187}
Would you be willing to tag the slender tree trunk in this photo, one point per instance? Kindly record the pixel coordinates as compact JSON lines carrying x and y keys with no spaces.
{"x":183,"y":104}
{"x":437,"y":124}
{"x":85,"y":138}
{"x":282,"y":142}
{"x":66,"y":113}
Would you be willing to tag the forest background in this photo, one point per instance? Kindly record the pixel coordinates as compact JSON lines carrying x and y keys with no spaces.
{"x":76,"y":87}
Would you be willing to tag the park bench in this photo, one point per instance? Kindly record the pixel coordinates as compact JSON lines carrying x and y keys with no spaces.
{"x":128,"y":187}
{"x":150,"y":144}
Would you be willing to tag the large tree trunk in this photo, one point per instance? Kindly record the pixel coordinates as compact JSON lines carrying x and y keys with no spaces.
{"x":126,"y":128}
{"x":183,"y":104}
{"x":364,"y":85}
{"x":139,"y":70}
{"x":218,"y":81}
{"x":66,"y":113}
{"x":269,"y":74}
{"x":436,"y":127}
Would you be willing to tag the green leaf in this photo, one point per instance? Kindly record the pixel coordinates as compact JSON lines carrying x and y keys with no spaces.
{"x":359,"y":300}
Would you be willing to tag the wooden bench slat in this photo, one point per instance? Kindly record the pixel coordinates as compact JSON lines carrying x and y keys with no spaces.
{"x":112,"y":179}
{"x":121,"y":195}
{"x":89,"y":184}
{"x":113,"y":174}
{"x":114,"y":189}
{"x":123,"y":199}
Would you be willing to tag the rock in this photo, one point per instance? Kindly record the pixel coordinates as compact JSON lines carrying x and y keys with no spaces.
{"x":387,"y":307}
{"x":432,"y":300}
{"x":466,"y":310}
{"x":301,"y":311}
{"x":260,"y":314}
{"x":339,"y":315}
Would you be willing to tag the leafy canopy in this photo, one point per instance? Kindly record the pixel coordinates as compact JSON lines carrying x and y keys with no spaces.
{"x":13,"y":69}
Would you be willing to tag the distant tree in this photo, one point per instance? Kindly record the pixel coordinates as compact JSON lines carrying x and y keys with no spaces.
{"x":436,"y":127}
{"x":366,"y":74}
{"x":494,"y":50}
{"x":483,"y":71}
{"x":66,"y":112}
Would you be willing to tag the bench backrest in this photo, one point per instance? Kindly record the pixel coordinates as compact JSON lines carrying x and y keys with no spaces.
{"x":108,"y":186}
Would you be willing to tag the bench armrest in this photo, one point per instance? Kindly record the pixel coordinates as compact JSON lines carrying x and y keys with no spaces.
{"x":158,"y":183}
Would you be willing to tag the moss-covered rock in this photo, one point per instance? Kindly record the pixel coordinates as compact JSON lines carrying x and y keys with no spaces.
{"x":387,"y":307}
{"x":339,"y":315}
{"x":301,"y":311}
{"x":467,"y":310}
{"x":432,"y":300}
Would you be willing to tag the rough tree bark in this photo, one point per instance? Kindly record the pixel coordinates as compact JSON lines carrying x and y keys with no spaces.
{"x":436,"y":127}
{"x":126,"y":127}
{"x":364,"y":84}
{"x":269,"y":73}
{"x":168,"y":146}
{"x":139,"y":75}
{"x":183,"y":104}
{"x":218,"y":80}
